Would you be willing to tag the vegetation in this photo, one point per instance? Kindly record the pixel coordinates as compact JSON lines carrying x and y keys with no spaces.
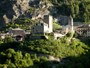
{"x":33,"y":53}
{"x":56,"y":26}
{"x":24,"y":23}
{"x":79,"y":9}
{"x":72,"y":52}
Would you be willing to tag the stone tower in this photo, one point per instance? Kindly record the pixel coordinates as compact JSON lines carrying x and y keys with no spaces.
{"x":49,"y":20}
{"x":70,"y":23}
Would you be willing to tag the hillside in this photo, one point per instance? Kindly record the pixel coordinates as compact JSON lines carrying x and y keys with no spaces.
{"x":34,"y":37}
{"x":79,"y":9}
{"x":10,"y":10}
{"x":36,"y":53}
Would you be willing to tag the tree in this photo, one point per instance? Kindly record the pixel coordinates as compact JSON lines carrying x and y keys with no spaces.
{"x":79,"y":9}
{"x":8,"y":39}
{"x":76,"y":9}
{"x":56,"y":26}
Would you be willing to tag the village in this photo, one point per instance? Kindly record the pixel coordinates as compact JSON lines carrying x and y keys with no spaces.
{"x":44,"y":33}
{"x":45,"y":26}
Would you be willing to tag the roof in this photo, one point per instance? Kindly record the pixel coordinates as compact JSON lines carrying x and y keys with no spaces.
{"x":84,"y":26}
{"x":17,"y":29}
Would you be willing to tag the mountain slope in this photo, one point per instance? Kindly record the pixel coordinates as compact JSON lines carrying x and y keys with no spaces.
{"x":12,"y":9}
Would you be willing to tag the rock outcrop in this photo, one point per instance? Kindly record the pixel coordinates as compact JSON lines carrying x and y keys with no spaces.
{"x":12,"y":9}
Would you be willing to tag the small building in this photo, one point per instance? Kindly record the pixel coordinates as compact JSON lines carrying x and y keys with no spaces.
{"x":16,"y":31}
{"x":83,"y":30}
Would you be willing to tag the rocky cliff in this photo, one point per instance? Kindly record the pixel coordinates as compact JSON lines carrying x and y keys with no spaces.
{"x":12,"y":9}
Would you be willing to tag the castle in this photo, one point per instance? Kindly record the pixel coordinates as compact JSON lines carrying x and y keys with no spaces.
{"x":45,"y":25}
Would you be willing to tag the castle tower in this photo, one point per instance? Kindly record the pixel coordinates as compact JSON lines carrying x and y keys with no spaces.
{"x":49,"y":20}
{"x":70,"y":23}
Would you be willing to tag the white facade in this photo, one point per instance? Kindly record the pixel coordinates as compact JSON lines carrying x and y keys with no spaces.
{"x":50,"y":24}
{"x":70,"y":24}
{"x":49,"y":20}
{"x":46,"y":29}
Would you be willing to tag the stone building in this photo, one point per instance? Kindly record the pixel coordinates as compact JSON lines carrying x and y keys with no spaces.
{"x":83,"y":30}
{"x":49,"y":20}
{"x":65,"y":29}
{"x":62,"y":20}
{"x":44,"y":25}
{"x":40,"y":28}
{"x":69,"y":27}
{"x":17,"y":33}
{"x":70,"y":24}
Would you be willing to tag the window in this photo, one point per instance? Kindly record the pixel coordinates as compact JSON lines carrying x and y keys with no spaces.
{"x":41,"y":24}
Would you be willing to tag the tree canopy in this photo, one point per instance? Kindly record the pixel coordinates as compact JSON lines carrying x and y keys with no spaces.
{"x":79,"y":9}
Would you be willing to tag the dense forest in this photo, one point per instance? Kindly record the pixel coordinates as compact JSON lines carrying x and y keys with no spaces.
{"x":79,"y":9}
{"x":34,"y":53}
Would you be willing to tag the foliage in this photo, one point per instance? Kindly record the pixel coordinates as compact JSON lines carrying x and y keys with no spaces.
{"x":70,"y":34}
{"x":8,"y":39}
{"x":34,"y":53}
{"x":56,"y":26}
{"x":24,"y":23}
{"x":77,"y":8}
{"x":15,"y":59}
